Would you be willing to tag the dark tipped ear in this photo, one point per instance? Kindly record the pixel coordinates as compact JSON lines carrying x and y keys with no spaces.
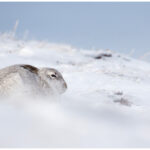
{"x":30,"y":68}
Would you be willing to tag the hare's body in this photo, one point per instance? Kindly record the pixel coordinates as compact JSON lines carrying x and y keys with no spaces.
{"x":30,"y":80}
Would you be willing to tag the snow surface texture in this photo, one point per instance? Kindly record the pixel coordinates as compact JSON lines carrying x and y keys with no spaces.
{"x":106,"y":105}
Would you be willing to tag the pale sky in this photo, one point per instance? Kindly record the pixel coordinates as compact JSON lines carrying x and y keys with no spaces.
{"x":117,"y":26}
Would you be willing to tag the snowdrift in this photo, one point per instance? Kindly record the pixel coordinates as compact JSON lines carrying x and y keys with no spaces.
{"x":106,"y":104}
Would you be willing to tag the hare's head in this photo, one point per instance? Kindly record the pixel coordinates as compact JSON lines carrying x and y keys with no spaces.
{"x":54,"y":79}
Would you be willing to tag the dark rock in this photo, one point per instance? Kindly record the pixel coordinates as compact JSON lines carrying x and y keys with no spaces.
{"x":123,"y":101}
{"x":119,"y":93}
{"x":103,"y":55}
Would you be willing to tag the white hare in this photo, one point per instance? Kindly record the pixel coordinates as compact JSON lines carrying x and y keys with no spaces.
{"x":30,"y":80}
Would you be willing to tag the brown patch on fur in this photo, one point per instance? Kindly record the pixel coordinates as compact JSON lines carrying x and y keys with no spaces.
{"x":30,"y":68}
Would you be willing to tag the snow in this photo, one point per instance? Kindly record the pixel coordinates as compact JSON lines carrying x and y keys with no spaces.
{"x":106,"y":104}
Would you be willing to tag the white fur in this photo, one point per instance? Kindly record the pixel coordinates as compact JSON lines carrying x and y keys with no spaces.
{"x":18,"y":80}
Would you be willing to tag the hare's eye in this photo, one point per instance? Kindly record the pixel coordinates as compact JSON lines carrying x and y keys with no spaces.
{"x":53,"y":75}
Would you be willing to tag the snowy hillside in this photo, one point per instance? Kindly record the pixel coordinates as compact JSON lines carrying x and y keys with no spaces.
{"x":107,"y":103}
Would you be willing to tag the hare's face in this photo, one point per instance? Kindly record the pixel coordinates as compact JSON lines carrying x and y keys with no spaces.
{"x":55,"y":80}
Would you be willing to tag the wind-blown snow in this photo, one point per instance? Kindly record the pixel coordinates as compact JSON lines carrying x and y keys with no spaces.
{"x":106,"y":105}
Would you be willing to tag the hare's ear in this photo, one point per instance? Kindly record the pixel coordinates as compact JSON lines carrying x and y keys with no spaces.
{"x":30,"y":68}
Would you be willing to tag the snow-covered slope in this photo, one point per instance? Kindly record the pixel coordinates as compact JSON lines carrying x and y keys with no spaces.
{"x":107,"y":103}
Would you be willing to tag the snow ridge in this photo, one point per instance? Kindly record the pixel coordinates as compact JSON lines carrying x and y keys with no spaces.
{"x":106,"y":104}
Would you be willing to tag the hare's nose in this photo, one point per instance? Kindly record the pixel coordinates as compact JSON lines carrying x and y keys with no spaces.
{"x":65,"y":85}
